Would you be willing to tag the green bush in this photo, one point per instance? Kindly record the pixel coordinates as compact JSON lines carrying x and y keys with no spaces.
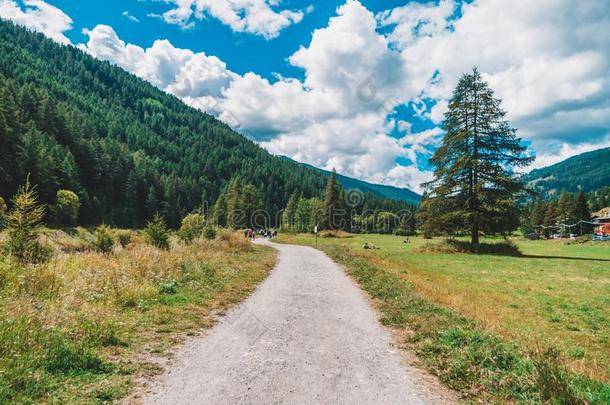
{"x":168,"y":287}
{"x":103,"y":239}
{"x":156,"y":232}
{"x":192,"y":227}
{"x":23,"y":223}
{"x":209,"y":232}
{"x":553,"y":378}
{"x":65,"y":211}
{"x":124,"y":237}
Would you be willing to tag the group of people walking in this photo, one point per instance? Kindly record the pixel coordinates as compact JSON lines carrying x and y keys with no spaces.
{"x":265,"y":233}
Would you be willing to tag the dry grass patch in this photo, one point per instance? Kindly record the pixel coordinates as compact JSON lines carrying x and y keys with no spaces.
{"x":81,"y":327}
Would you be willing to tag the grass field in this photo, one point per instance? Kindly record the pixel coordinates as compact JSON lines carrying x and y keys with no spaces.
{"x":85,"y":326}
{"x":555,"y":295}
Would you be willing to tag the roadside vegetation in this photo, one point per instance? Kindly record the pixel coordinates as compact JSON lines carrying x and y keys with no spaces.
{"x":531,"y":328}
{"x":84,"y":312}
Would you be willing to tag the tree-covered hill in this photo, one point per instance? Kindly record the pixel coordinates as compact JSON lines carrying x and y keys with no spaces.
{"x":127,"y":149}
{"x":379,"y":190}
{"x":587,"y":171}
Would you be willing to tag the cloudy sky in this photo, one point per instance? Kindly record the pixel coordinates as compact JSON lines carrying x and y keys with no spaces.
{"x":360,"y":86}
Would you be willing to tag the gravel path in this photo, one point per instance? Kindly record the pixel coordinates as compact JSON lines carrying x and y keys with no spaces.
{"x":306,"y":336}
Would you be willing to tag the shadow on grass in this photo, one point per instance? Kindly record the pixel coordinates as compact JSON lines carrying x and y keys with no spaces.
{"x":591,"y":259}
{"x":452,"y":246}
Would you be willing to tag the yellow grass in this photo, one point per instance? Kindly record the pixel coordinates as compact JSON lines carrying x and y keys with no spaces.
{"x":140,"y":299}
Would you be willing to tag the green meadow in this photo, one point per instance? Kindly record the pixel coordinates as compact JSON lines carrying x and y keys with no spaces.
{"x":554,"y":296}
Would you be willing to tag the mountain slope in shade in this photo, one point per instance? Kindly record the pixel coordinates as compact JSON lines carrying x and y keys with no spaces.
{"x":380,"y":190}
{"x":588,"y":171}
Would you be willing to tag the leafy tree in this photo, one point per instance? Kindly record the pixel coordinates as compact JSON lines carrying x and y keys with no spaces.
{"x":192,"y":227}
{"x":288,"y":218}
{"x":23,"y":223}
{"x":473,"y":168}
{"x":65,"y":210}
{"x":156,"y":232}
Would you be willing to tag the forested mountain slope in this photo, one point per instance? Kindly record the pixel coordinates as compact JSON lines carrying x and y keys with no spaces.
{"x":126,"y":148}
{"x":379,"y":190}
{"x":587,"y":171}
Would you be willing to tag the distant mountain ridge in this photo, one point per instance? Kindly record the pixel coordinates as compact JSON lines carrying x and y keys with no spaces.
{"x":588,"y":171}
{"x":380,"y":190}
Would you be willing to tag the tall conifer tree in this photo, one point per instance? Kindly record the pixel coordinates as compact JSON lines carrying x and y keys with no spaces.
{"x":332,"y":202}
{"x":474,"y":182}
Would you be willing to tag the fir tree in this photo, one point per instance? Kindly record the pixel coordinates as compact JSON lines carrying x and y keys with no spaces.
{"x":582,"y":213}
{"x":332,"y":203}
{"x":550,"y":218}
{"x":220,"y":210}
{"x":474,"y":181}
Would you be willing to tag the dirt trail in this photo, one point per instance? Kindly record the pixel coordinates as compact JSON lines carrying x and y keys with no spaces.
{"x":306,"y":336}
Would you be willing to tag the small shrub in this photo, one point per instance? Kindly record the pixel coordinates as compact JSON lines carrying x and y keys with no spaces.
{"x":103,"y":239}
{"x":225,"y":235}
{"x":577,"y":352}
{"x":553,"y":378}
{"x":168,"y":287}
{"x":156,"y":233}
{"x":124,"y":237}
{"x":24,"y":222}
{"x":209,"y":232}
{"x":192,"y":227}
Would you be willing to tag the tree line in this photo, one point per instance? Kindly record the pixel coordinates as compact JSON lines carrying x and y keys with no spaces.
{"x":545,"y":218}
{"x":125,"y":148}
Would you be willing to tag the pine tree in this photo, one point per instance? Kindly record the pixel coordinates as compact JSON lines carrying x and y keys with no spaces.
{"x":550,"y":218}
{"x":23,"y":223}
{"x":582,"y":213}
{"x":565,"y":208}
{"x":332,"y":203}
{"x":220,"y":210}
{"x":473,"y":177}
{"x":250,"y":203}
{"x":537,"y":214}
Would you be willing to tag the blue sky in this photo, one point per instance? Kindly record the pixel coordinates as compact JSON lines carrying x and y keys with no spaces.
{"x":356,"y":85}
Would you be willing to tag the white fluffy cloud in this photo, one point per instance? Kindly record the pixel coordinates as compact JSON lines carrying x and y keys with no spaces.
{"x":252,"y":16}
{"x":39,"y":16}
{"x":545,"y":59}
{"x":548,"y":60}
{"x":182,"y":72}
